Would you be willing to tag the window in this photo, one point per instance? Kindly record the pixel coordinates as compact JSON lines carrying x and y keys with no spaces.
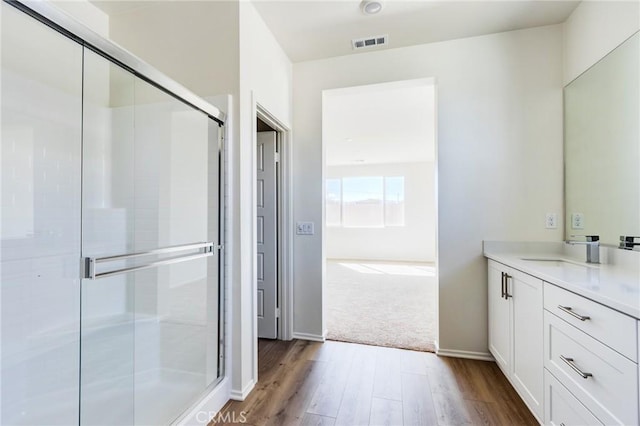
{"x":394,"y":201}
{"x":362,"y":202}
{"x":334,"y":202}
{"x":365,"y":202}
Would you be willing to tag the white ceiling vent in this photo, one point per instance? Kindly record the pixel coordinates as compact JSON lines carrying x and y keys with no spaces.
{"x":366,"y":42}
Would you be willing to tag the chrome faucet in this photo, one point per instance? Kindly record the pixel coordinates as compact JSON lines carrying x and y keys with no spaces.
{"x":593,"y":246}
{"x":628,"y":242}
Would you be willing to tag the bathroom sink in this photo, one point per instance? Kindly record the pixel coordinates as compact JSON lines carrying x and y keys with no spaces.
{"x":556,"y":262}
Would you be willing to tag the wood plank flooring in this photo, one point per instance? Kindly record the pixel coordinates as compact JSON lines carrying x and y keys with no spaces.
{"x":335,"y":383}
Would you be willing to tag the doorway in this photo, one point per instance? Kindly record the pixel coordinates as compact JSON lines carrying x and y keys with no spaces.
{"x":273,"y":243}
{"x":381,"y":214}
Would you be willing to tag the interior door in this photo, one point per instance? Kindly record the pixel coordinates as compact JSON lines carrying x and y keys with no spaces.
{"x":267,"y":236}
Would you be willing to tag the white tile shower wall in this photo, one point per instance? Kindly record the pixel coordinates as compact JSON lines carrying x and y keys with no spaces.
{"x":149,"y":146}
{"x":188,"y":220}
{"x":40,"y":173}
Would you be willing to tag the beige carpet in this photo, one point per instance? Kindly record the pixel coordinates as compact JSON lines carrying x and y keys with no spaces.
{"x":382,"y":303}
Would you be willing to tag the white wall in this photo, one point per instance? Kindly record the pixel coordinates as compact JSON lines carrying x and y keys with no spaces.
{"x":83,"y":11}
{"x":193,"y":42}
{"x":593,"y":30}
{"x":265,"y":79}
{"x":415,"y":241}
{"x":500,"y":160}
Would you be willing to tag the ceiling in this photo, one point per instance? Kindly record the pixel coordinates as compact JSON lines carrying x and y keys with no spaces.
{"x":115,"y":7}
{"x":311,"y":29}
{"x":379,"y":124}
{"x":316,"y":29}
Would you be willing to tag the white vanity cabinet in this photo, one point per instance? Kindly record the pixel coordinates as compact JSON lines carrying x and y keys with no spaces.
{"x":572,"y":359}
{"x":602,"y":379}
{"x":592,"y":351}
{"x":516,"y":331}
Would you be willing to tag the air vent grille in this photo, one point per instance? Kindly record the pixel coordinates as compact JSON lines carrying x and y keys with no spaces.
{"x":367,"y":42}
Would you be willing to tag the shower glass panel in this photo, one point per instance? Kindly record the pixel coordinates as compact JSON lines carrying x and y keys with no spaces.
{"x":175,"y":305}
{"x":150,"y":317}
{"x":108,"y":228}
{"x":40,"y":222}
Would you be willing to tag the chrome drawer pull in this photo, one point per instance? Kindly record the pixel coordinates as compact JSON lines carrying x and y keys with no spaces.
{"x":569,"y":310}
{"x":506,"y":286}
{"x":575,"y":368}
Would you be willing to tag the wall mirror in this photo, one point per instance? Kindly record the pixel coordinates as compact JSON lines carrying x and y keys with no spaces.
{"x":602,"y":147}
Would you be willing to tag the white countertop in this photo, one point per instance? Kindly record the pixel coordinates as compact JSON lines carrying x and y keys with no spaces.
{"x":613,"y":285}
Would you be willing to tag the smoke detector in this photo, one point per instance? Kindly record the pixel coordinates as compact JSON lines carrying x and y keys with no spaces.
{"x":369,"y":7}
{"x":367,"y":42}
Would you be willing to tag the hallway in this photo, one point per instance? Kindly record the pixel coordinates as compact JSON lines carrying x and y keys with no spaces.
{"x":335,"y":383}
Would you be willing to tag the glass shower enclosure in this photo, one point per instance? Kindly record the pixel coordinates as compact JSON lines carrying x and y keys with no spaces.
{"x":110,"y":296}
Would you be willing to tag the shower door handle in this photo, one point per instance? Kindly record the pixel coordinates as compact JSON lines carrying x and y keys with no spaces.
{"x":90,"y":263}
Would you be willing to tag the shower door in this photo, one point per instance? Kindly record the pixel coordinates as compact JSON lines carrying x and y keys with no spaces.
{"x":150,"y":292}
{"x":39,"y":222}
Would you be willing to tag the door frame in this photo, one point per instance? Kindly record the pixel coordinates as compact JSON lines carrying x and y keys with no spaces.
{"x":284,"y":217}
{"x":430,"y":81}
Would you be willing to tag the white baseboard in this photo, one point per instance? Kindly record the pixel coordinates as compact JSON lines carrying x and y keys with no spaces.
{"x":209,"y":407}
{"x":454,"y":353}
{"x":307,"y":336}
{"x":242,"y":395}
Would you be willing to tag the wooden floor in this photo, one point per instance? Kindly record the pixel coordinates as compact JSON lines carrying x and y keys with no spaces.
{"x":334,"y":383}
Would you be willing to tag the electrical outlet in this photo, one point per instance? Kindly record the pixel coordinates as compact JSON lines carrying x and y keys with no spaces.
{"x":577,"y":221}
{"x":304,"y":228}
{"x":551,"y":221}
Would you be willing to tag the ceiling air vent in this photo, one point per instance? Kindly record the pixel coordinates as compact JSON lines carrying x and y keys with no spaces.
{"x":366,"y":42}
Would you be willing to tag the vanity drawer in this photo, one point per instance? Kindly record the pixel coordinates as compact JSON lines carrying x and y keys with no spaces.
{"x":601,"y":323}
{"x":611,"y":388}
{"x":562,"y":408}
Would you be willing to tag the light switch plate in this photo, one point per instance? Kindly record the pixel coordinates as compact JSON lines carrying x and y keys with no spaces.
{"x":551,"y":221}
{"x":304,"y":228}
{"x":577,"y":221}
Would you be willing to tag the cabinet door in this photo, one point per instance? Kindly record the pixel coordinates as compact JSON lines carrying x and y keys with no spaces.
{"x":499,"y":319}
{"x":526,"y":306}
